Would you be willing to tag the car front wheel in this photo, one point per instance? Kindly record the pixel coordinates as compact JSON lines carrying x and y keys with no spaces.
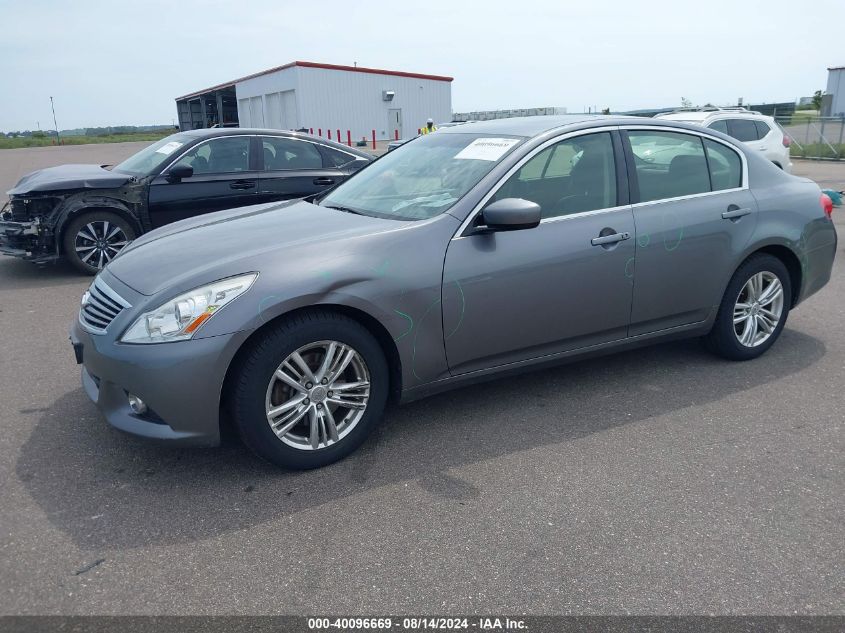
{"x":310,"y":391}
{"x":753,"y":311}
{"x":93,"y":239}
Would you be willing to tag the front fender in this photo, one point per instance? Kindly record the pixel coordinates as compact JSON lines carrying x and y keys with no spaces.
{"x":395,"y":282}
{"x":128,"y":202}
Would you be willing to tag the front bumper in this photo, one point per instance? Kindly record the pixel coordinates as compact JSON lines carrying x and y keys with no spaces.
{"x":25,"y":240}
{"x":181,"y":382}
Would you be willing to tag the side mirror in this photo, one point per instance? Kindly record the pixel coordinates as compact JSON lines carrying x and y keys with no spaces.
{"x":511,"y":214}
{"x":178,"y":172}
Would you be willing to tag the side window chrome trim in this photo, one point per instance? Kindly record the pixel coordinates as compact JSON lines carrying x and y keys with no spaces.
{"x":163,"y":172}
{"x":688,"y":197}
{"x":658,"y":128}
{"x":546,"y":144}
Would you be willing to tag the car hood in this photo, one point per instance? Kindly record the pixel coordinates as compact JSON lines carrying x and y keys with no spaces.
{"x":66,"y":177}
{"x":225,"y":243}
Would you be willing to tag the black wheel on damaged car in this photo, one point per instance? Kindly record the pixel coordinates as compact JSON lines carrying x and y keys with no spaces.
{"x":93,"y":238}
{"x":753,"y":311}
{"x":310,"y":390}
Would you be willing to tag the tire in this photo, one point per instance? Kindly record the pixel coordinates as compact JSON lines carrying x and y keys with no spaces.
{"x":87,"y":254}
{"x":256,"y":391}
{"x":737,"y":341}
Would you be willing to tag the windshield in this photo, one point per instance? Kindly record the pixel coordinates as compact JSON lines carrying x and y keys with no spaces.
{"x":152,"y":157}
{"x":422,"y":179}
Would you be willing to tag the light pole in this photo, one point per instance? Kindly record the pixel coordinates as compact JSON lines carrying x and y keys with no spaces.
{"x":58,"y":136}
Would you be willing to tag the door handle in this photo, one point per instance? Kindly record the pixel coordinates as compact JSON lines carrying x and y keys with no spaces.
{"x":242,"y":184}
{"x":733,"y":214}
{"x":762,"y":149}
{"x":322,"y":180}
{"x":613,"y":238}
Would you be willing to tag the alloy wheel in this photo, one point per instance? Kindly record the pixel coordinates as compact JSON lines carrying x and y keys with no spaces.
{"x":98,"y":242}
{"x":758,"y":309}
{"x":317,"y":395}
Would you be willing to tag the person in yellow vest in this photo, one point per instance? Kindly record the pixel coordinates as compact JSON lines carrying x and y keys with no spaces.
{"x":429,"y":127}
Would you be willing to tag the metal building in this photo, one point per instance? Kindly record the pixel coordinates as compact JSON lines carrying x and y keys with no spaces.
{"x":836,"y":90}
{"x":324,"y":98}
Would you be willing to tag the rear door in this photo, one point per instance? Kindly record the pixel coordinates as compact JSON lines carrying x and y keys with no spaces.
{"x":294,"y":168}
{"x":224,"y":177}
{"x":694,"y":215}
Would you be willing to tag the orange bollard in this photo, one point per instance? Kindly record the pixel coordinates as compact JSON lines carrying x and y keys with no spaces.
{"x":374,"y":139}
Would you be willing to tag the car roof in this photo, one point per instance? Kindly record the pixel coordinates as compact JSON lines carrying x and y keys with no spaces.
{"x":240,"y":131}
{"x":685,"y":116}
{"x":703,"y":115}
{"x":532,"y":126}
{"x":520,"y":126}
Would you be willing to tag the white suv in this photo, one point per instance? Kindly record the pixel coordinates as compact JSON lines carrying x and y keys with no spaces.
{"x":756,"y":130}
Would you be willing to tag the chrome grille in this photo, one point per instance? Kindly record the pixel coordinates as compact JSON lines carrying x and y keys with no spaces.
{"x":100,"y":306}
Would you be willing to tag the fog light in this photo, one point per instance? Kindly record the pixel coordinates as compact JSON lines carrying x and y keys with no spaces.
{"x":137,"y":405}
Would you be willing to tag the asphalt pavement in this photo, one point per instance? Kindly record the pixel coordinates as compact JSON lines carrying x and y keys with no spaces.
{"x":658,"y":481}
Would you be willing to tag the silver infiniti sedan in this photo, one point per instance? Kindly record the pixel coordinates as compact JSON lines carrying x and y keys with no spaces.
{"x":483,"y":249}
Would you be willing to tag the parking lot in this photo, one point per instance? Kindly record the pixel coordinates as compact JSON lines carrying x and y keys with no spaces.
{"x":657,"y":481}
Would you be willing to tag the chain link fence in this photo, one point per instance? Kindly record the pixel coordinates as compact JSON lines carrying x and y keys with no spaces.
{"x":821,"y":138}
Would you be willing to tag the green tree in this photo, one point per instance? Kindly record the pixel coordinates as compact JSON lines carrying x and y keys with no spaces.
{"x":817,"y":99}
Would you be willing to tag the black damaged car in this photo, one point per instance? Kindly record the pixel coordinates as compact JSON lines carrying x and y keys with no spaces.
{"x":88,"y":213}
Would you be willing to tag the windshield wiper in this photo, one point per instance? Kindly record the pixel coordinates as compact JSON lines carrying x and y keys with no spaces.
{"x":339,"y":208}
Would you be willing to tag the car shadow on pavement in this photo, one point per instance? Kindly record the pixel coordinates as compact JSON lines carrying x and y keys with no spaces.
{"x":18,"y":273}
{"x":106,"y":490}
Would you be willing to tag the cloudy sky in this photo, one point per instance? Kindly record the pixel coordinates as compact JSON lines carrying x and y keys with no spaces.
{"x":113,"y":63}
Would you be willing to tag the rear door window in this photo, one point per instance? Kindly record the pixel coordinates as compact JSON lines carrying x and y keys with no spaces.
{"x":762,"y":128}
{"x":668,"y":164}
{"x":283,"y":154}
{"x":720,"y":126}
{"x":335,"y":158}
{"x":743,"y":130}
{"x":725,"y":166}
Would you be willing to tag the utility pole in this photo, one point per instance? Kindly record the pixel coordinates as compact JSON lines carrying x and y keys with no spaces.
{"x":58,"y":136}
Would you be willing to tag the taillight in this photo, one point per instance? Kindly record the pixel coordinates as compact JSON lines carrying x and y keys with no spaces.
{"x":827,"y":205}
{"x":787,"y":140}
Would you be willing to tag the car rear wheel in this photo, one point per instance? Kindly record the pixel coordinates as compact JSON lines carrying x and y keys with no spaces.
{"x":753,"y":311}
{"x":93,"y":239}
{"x":310,"y":391}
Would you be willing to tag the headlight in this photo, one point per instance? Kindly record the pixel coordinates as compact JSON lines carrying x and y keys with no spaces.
{"x":180,"y":318}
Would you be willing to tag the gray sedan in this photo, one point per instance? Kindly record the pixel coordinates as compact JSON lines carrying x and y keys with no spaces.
{"x":468,"y":254}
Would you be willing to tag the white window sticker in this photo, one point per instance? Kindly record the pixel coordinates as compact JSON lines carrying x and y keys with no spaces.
{"x":486,"y":149}
{"x":169,"y":148}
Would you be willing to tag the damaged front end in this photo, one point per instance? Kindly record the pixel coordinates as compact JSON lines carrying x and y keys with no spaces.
{"x":27,"y":224}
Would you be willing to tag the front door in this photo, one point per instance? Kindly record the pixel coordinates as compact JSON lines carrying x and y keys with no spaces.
{"x":394,"y":125}
{"x":222,"y":179}
{"x":694,"y":217}
{"x":564,"y":285}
